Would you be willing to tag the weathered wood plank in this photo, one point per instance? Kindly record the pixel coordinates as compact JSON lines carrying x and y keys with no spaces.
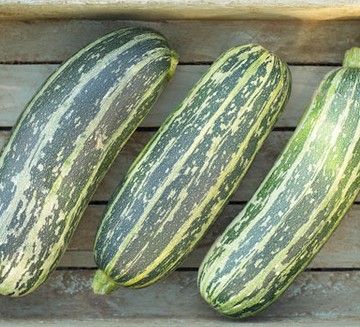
{"x":196,"y":41}
{"x":174,"y":322}
{"x":18,"y":83}
{"x":177,"y":322}
{"x":324,"y":296}
{"x":342,"y":250}
{"x":170,"y":9}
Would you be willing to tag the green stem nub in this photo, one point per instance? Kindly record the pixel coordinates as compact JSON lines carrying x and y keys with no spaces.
{"x":103,"y":284}
{"x":174,"y":60}
{"x":352,"y":58}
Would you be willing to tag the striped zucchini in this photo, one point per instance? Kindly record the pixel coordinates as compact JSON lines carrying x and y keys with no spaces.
{"x":185,"y":175}
{"x":67,"y":137}
{"x":297,"y":207}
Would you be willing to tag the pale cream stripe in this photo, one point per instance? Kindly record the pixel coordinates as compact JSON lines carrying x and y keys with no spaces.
{"x":52,"y":199}
{"x":282,"y":187}
{"x":177,"y":114}
{"x":339,"y":175}
{"x":23,"y":178}
{"x":47,"y":83}
{"x":59,"y":247}
{"x":179,"y":164}
{"x":196,"y":213}
{"x":282,"y":254}
{"x":216,"y":209}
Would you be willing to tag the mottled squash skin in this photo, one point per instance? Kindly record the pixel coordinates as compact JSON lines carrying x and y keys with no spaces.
{"x":186,"y":174}
{"x":297,"y":207}
{"x":63,"y":144}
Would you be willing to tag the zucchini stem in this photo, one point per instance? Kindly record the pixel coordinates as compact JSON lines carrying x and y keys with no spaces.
{"x":102,"y":283}
{"x":174,"y":60}
{"x":352,"y":58}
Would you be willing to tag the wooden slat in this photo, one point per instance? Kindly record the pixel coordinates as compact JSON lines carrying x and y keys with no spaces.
{"x":176,"y":322}
{"x":170,"y":9}
{"x":196,"y":41}
{"x":18,"y":83}
{"x":342,"y":250}
{"x":330,"y":296}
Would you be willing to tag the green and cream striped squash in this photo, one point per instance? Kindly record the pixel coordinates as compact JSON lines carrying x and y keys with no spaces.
{"x":297,"y":207}
{"x":185,"y":175}
{"x":63,"y":144}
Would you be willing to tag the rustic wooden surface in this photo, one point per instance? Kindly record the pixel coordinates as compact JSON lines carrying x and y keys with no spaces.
{"x":328,"y":293}
{"x":176,"y":9}
{"x":196,"y":41}
{"x":67,"y":295}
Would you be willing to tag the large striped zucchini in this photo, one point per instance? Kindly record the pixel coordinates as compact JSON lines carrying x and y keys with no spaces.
{"x":185,"y":175}
{"x":297,"y":207}
{"x":65,"y":141}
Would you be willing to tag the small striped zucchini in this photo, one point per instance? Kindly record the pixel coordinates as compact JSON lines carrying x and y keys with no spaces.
{"x":297,"y":207}
{"x":185,"y":175}
{"x":66,"y":139}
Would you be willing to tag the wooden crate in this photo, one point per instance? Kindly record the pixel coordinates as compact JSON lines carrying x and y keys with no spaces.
{"x":306,"y":35}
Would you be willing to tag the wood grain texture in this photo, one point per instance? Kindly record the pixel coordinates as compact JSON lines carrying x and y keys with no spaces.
{"x":176,"y":322}
{"x":296,"y":41}
{"x":342,"y":250}
{"x":18,"y":83}
{"x":68,"y":295}
{"x":175,"y":9}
